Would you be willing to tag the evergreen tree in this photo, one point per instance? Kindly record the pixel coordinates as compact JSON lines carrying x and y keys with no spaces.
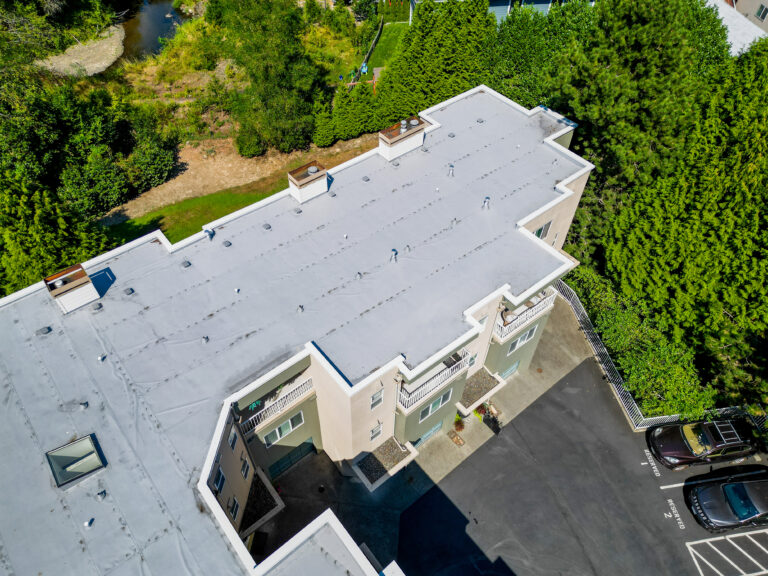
{"x":38,"y":236}
{"x":325,"y":128}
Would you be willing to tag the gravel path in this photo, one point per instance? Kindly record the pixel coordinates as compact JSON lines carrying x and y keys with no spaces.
{"x":89,"y":58}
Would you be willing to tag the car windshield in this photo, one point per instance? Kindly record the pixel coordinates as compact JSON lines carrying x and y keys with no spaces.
{"x":737,"y":497}
{"x":696,"y":438}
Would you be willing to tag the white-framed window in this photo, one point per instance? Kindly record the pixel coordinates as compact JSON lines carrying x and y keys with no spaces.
{"x":377,"y":398}
{"x":284,"y":429}
{"x":762,"y":12}
{"x":543,"y":231}
{"x":245,"y":468}
{"x":219,"y":480}
{"x":376,"y":431}
{"x":234,"y":508}
{"x":434,"y":406}
{"x":515,"y":344}
{"x":232,"y":440}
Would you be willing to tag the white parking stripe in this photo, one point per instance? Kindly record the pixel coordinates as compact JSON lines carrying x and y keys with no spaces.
{"x":726,"y":558}
{"x":732,"y":552}
{"x":708,"y":480}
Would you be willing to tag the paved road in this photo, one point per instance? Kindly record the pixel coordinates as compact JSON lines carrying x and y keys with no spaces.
{"x":566,"y":488}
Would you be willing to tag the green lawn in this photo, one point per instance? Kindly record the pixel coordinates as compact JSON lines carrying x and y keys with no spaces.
{"x":187,"y":217}
{"x":385,"y":49}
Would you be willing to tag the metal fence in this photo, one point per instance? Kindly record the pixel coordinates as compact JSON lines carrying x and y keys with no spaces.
{"x":631,"y":409}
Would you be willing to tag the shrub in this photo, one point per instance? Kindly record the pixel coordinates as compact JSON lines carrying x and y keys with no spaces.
{"x":249,"y":142}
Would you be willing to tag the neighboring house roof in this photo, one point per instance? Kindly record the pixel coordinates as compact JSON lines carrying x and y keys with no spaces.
{"x":741,"y":32}
{"x":322,"y":548}
{"x":182,"y":327}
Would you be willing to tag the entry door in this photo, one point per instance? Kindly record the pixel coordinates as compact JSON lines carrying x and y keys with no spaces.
{"x":428,"y":434}
{"x":511,"y":370}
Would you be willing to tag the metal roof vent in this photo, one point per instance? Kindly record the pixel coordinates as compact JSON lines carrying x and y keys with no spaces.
{"x":266,"y":226}
{"x":332,"y":194}
{"x":480,"y":120}
{"x":403,"y":126}
{"x":43,"y":331}
{"x":297,"y":210}
{"x":76,"y":460}
{"x":97,"y":306}
{"x":186,"y":264}
{"x":487,"y":202}
{"x":366,"y":179}
{"x":210,"y":233}
{"x":450,"y":170}
{"x":129,"y":291}
{"x":312,"y":170}
{"x":414,"y":122}
{"x":359,"y":276}
{"x":451,"y":135}
{"x":226,"y":243}
{"x":396,"y":163}
{"x":393,"y":257}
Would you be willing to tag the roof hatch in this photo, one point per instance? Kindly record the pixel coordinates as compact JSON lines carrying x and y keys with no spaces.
{"x":76,"y":460}
{"x":71,"y":288}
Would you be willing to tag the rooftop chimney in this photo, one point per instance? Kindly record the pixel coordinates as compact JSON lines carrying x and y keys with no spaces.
{"x":403,"y":137}
{"x":308,"y":181}
{"x":71,"y":288}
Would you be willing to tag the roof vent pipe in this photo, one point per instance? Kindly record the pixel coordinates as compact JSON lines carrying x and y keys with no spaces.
{"x":89,"y":523}
{"x":450,"y":170}
{"x":487,"y":203}
{"x":359,"y":276}
{"x":403,"y":126}
{"x":210,"y":233}
{"x":393,"y":257}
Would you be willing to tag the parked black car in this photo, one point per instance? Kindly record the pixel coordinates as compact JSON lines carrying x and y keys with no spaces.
{"x":724,"y":504}
{"x":678,"y":446}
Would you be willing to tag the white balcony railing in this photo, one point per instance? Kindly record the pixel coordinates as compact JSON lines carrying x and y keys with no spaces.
{"x":280,"y":404}
{"x":408,"y":399}
{"x":502,"y":330}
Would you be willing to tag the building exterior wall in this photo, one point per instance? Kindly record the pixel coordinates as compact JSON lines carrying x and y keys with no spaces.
{"x":498,"y":361}
{"x":231,"y":462}
{"x":364,"y":419}
{"x":480,"y":344}
{"x":310,"y":429}
{"x":407,"y":426}
{"x":560,"y":215}
{"x":749,"y":8}
{"x":333,"y":406}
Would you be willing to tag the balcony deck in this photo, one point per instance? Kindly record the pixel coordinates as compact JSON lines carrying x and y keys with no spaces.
{"x":455,"y":364}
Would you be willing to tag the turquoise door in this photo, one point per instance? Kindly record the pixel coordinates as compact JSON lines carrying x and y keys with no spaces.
{"x":511,"y":370}
{"x":428,"y":434}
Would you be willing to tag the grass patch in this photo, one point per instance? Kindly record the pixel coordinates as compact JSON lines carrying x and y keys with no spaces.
{"x":333,"y":53}
{"x":385,"y":49}
{"x":181,"y":220}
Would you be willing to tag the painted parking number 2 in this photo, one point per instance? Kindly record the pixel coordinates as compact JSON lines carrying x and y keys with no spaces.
{"x":673,"y":513}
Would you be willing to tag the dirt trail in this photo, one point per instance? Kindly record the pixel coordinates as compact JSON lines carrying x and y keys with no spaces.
{"x":215,"y":165}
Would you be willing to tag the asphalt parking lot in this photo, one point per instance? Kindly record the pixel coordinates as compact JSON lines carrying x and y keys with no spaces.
{"x":567,"y":488}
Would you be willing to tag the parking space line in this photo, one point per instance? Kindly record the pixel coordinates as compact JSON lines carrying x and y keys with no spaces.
{"x":756,"y":543}
{"x":726,"y":558}
{"x":730,"y":551}
{"x":680,"y":484}
{"x":740,"y":549}
{"x":694,"y":553}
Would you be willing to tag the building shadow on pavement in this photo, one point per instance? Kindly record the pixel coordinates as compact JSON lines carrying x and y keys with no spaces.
{"x":391,"y":521}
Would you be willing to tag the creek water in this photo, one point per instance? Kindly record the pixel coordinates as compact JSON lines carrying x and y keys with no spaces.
{"x":146,"y":24}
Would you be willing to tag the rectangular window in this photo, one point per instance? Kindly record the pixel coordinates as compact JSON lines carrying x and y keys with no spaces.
{"x":377,"y":399}
{"x":219,"y":480}
{"x":376,"y":431}
{"x":435,"y":405}
{"x":232,"y":440}
{"x":245,"y":468}
{"x":234,"y":508}
{"x":515,"y":344}
{"x":284,"y":429}
{"x":543,"y":231}
{"x":762,"y":12}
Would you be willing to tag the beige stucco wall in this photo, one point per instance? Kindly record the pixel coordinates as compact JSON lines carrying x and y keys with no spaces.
{"x":480,"y":344}
{"x":561,"y":214}
{"x":230,"y":462}
{"x":749,"y":9}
